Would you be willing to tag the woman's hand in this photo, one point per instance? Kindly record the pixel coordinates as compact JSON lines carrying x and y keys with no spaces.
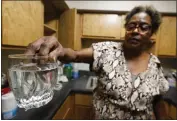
{"x":47,"y":45}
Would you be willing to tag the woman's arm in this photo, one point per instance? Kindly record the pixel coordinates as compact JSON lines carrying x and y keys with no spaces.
{"x":84,"y":55}
{"x":50,"y":46}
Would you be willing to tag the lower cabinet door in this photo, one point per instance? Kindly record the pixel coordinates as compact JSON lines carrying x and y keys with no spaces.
{"x":66,"y":111}
{"x":83,"y":113}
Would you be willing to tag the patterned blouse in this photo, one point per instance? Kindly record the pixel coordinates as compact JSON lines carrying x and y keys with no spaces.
{"x":117,"y":95}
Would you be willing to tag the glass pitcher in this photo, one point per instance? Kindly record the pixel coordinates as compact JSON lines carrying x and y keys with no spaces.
{"x":32,"y":79}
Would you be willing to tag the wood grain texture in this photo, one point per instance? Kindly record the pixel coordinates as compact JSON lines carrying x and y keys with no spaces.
{"x":48,"y":31}
{"x":82,"y":99}
{"x":53,"y":24}
{"x":166,"y":39}
{"x":55,"y":35}
{"x":66,"y":111}
{"x":162,"y":109}
{"x":172,"y":112}
{"x":22,"y":22}
{"x":66,"y":33}
{"x":83,"y":113}
{"x":102,"y":25}
{"x":122,"y":33}
{"x":77,"y":31}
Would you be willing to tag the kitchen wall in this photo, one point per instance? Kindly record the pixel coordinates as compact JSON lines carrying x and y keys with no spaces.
{"x":162,"y":6}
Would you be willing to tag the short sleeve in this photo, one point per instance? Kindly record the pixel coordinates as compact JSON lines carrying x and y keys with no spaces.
{"x":97,"y":53}
{"x":164,"y":85}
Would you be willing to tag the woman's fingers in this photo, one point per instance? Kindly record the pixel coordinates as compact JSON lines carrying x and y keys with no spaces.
{"x":34,"y":47}
{"x":56,"y":54}
{"x":46,"y":46}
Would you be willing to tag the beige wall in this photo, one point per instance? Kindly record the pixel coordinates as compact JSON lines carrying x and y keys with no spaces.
{"x":162,"y":6}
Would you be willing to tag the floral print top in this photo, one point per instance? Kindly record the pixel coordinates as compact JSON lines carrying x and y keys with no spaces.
{"x":117,"y":95}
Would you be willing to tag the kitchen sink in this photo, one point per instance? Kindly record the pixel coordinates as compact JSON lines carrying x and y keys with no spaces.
{"x":92,"y":82}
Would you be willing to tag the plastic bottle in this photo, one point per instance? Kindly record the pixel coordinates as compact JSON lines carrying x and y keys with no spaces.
{"x":68,"y":70}
{"x":75,"y":73}
{"x":9,"y":104}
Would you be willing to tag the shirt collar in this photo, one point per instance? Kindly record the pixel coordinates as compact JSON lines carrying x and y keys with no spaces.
{"x":154,"y":59}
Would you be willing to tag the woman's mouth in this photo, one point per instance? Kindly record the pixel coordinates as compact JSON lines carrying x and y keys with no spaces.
{"x":134,"y":41}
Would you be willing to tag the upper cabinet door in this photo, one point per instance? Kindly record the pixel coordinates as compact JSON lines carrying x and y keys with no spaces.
{"x":102,"y":25}
{"x":123,"y":31}
{"x":167,"y":36}
{"x":22,"y":22}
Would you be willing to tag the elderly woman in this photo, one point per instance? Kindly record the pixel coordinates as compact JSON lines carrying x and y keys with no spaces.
{"x":129,"y":77}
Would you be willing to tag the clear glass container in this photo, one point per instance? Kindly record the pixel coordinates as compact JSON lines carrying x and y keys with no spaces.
{"x":32,"y":79}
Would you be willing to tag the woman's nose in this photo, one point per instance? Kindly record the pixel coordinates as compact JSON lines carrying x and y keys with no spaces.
{"x":136,"y":29}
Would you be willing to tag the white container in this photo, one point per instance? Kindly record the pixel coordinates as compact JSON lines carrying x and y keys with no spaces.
{"x":9,"y":105}
{"x":172,"y":81}
{"x":75,"y":71}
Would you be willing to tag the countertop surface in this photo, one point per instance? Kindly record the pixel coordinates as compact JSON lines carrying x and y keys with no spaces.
{"x":72,"y":86}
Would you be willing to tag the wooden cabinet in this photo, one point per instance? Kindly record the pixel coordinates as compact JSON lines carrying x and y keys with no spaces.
{"x":172,"y":112}
{"x":166,"y":37}
{"x":52,"y":24}
{"x":102,"y":25}
{"x":51,"y":28}
{"x":83,"y":99}
{"x":69,"y":33}
{"x":166,"y":111}
{"x":51,"y":19}
{"x":122,"y":32}
{"x":83,"y":113}
{"x":98,"y":27}
{"x":66,"y":111}
{"x":22,"y":22}
{"x":76,"y":106}
{"x":80,"y":107}
{"x":67,"y":28}
{"x":80,"y":30}
{"x":83,"y":107}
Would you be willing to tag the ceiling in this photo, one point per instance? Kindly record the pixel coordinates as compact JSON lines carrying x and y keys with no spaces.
{"x":162,"y":6}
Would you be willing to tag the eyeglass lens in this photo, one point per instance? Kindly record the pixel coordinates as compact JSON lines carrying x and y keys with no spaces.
{"x":144,"y":27}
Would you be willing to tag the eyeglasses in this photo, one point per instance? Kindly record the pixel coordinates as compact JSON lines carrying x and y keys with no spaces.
{"x":142,"y":27}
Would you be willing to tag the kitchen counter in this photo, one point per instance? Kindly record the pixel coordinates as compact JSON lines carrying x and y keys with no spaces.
{"x":73,"y":86}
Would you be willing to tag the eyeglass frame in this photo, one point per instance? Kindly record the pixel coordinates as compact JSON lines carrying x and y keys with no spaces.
{"x":139,"y":27}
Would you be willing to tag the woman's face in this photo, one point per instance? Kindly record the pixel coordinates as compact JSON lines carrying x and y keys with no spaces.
{"x":138,"y":31}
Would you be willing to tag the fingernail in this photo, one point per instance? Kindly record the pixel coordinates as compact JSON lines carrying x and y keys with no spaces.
{"x":52,"y":59}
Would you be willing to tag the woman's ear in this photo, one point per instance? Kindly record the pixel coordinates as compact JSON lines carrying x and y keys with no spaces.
{"x":152,"y":41}
{"x":152,"y":37}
